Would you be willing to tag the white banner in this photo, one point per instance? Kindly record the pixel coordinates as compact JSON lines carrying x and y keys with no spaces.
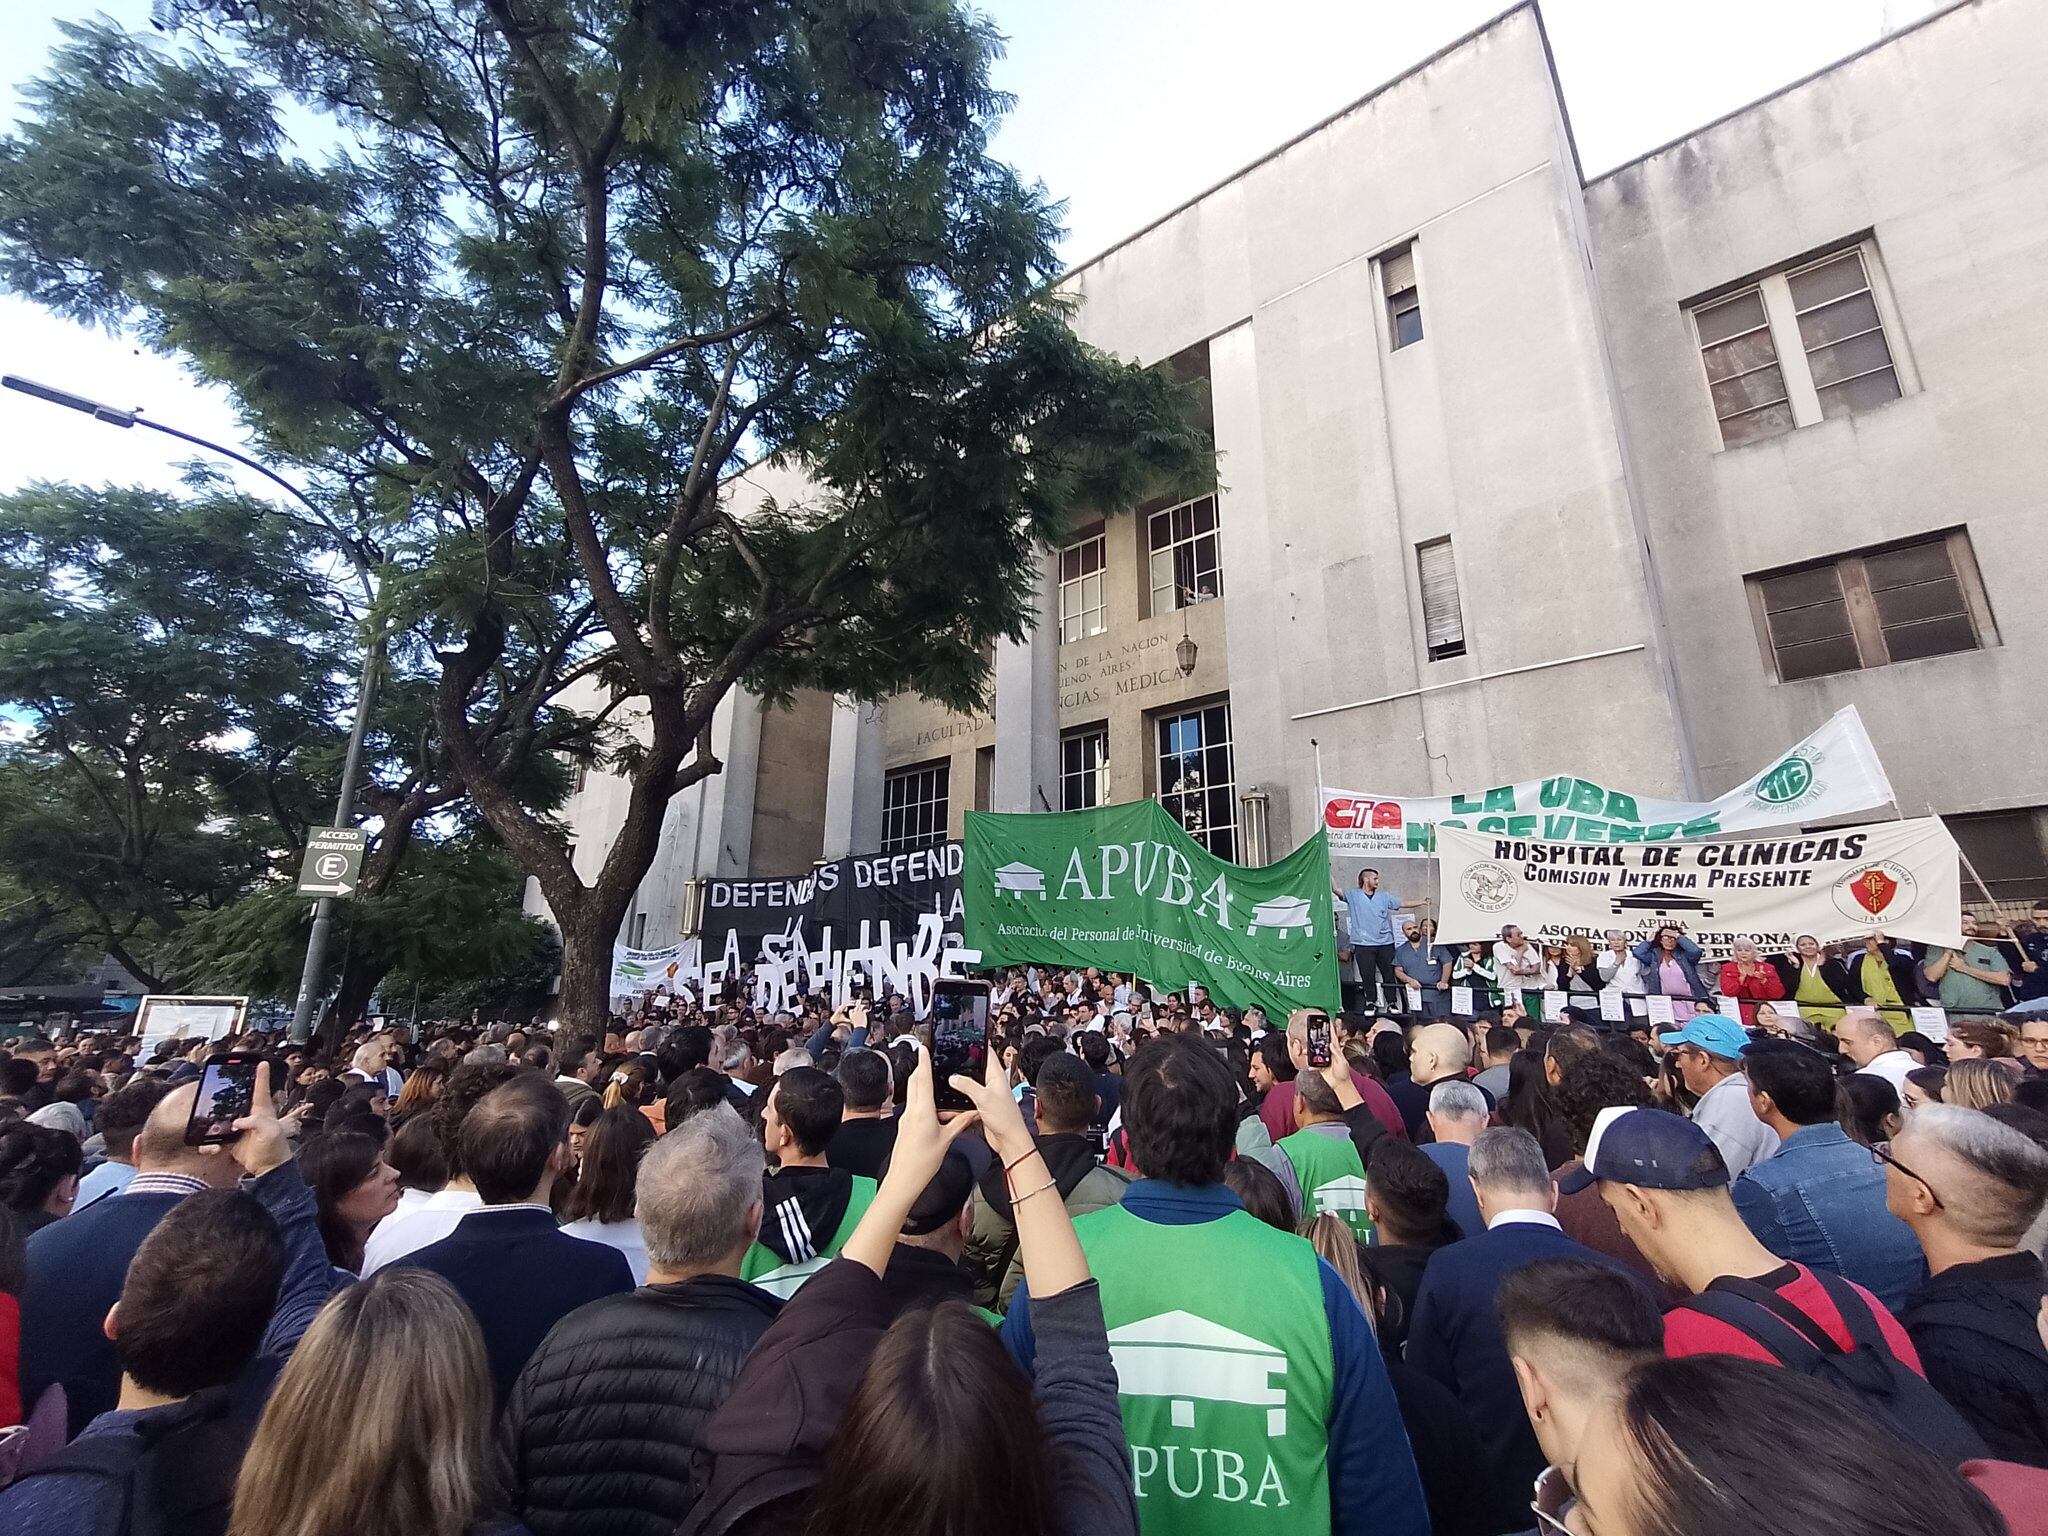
{"x":1834,"y":772}
{"x":1901,"y":878}
{"x":642,"y":970}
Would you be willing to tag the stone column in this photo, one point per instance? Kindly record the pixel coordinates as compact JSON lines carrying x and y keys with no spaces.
{"x":1027,"y":707}
{"x":853,"y":792}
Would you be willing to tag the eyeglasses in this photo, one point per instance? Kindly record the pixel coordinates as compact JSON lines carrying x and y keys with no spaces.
{"x":1881,"y":1157}
{"x":1553,"y":1502}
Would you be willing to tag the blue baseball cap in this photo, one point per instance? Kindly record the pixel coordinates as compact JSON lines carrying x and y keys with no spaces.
{"x":1650,"y":1147}
{"x":1714,"y":1033}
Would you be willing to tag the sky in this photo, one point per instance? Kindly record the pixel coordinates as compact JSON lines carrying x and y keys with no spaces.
{"x":1123,"y":109}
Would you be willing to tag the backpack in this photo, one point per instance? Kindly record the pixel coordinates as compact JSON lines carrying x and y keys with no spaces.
{"x":174,"y":1471}
{"x":1868,"y":1371}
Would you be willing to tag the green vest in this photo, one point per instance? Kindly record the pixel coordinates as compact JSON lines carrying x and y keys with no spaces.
{"x":1224,"y":1371}
{"x":764,"y":1266}
{"x":1331,"y":1176}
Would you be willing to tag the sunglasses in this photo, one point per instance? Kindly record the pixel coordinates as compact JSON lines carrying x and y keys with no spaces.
{"x":1553,"y":1502}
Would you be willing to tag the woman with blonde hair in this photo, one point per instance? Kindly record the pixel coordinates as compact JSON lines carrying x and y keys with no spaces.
{"x":1978,"y":1083}
{"x":380,"y":1423}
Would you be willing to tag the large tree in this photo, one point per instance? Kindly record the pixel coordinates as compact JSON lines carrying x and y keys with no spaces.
{"x":539,"y":278}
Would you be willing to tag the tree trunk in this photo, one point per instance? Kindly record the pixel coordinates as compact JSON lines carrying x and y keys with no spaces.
{"x":585,"y":1005}
{"x":359,"y":980}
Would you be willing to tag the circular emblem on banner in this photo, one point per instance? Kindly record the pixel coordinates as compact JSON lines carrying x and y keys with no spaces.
{"x":1787,"y":782}
{"x":1876,"y":892}
{"x":1487,"y":887}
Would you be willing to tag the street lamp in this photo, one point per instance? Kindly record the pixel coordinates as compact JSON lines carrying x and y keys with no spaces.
{"x":359,"y":554}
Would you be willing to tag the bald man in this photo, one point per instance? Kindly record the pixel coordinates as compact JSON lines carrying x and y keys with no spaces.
{"x":76,"y":1266}
{"x":1866,"y":1039}
{"x":1439,"y":1053}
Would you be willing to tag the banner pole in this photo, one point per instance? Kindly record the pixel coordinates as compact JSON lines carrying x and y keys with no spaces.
{"x":1318,"y":746}
{"x":1899,"y":814}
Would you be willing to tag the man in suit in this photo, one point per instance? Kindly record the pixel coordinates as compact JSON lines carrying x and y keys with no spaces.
{"x":1455,"y":1335}
{"x":76,"y":1266}
{"x":519,"y":1274}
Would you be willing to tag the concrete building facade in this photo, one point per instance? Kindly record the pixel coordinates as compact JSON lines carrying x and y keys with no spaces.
{"x":1520,"y":474}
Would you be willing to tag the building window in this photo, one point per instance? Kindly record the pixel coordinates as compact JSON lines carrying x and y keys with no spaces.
{"x":914,"y":807}
{"x":639,"y":939}
{"x":1187,"y":558}
{"x":579,"y":777}
{"x":1404,"y":303}
{"x":1443,"y":626}
{"x":984,"y":777}
{"x":1796,"y":348}
{"x":1895,"y":602}
{"x":1197,"y":783}
{"x":2006,"y":852}
{"x":1081,"y":607}
{"x":1084,"y":768}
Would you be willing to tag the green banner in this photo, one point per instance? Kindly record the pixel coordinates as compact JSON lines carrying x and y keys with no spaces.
{"x":1123,"y":888}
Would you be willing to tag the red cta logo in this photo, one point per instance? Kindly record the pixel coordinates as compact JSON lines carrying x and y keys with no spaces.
{"x":1348,"y":813}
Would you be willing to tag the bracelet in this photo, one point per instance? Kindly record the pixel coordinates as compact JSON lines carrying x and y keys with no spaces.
{"x":1027,"y":1152}
{"x":1017,"y":1200}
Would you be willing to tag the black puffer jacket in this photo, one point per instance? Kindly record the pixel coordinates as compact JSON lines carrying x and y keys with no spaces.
{"x":600,"y":1433}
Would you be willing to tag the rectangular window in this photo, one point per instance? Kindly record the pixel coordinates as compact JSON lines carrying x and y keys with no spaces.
{"x":1197,"y":781}
{"x":1186,"y":555}
{"x":1404,"y":301}
{"x":579,"y":778}
{"x":1895,"y":602}
{"x":984,"y":776}
{"x":1796,"y":347}
{"x":639,"y":939}
{"x":914,"y":807}
{"x":1443,"y":625}
{"x":1084,"y":768}
{"x":1082,"y":612}
{"x":2006,"y":852}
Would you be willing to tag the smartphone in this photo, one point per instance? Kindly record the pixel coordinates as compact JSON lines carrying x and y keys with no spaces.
{"x":1318,"y":1039}
{"x":959,"y":1038}
{"x":227,"y":1092}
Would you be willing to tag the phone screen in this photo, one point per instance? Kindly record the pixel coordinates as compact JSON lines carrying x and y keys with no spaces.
{"x":959,"y":1037}
{"x":1318,"y":1040}
{"x":227,"y":1090}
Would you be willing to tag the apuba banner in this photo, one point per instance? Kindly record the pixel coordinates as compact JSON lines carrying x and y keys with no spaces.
{"x":1900,"y":878}
{"x":1834,"y":772}
{"x":1123,"y":887}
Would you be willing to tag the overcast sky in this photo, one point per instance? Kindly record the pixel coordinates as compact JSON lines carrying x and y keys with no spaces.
{"x":1124,"y":109}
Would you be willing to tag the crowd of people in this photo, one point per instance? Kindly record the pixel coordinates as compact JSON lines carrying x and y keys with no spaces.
{"x":1166,"y":1266}
{"x":1391,"y":961}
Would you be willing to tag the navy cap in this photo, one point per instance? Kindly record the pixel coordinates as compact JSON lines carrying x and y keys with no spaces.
{"x":944,"y":1197}
{"x":1650,"y":1147}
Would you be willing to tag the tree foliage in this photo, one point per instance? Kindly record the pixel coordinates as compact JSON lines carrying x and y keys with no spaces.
{"x":546,"y":273}
{"x":168,"y":659}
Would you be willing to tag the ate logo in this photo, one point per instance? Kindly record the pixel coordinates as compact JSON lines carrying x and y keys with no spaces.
{"x":1871,"y":892}
{"x":1349,"y":813}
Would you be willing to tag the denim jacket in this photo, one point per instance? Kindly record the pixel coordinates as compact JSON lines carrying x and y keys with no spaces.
{"x":1819,"y":1201}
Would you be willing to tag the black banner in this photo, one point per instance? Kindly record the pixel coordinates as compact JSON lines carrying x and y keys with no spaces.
{"x":875,"y":888}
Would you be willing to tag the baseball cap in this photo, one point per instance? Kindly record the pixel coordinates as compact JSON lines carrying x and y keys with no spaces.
{"x":1714,"y":1033}
{"x":941,"y":1199}
{"x":1650,"y":1147}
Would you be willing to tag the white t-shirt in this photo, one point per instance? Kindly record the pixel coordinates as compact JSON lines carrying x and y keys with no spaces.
{"x":1892,"y":1066}
{"x":398,"y":1234}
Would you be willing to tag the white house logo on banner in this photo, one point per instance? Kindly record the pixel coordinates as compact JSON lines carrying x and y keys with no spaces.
{"x":1487,"y":886}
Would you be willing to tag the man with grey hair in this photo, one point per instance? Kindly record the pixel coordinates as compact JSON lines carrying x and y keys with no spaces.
{"x":1862,"y":1035}
{"x":1455,"y":1335}
{"x":600,"y":1430}
{"x":1969,"y":1187}
{"x":795,"y":1056}
{"x":1458,"y":1112}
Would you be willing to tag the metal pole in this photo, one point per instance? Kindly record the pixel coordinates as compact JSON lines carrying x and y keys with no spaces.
{"x":344,"y":816}
{"x":360,"y":555}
